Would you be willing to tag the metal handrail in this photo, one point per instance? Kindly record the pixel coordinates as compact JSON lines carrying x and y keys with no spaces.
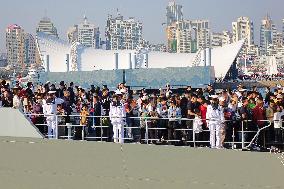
{"x":149,"y":119}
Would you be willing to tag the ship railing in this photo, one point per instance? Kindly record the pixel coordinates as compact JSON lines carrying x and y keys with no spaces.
{"x":243,"y":141}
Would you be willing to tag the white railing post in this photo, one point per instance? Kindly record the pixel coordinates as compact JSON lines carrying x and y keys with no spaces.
{"x":146,"y":134}
{"x":243,"y":136}
{"x":101,"y":124}
{"x":56,"y":127}
{"x":69,"y":130}
{"x":193,"y":137}
{"x":233,"y":137}
{"x":83,"y":132}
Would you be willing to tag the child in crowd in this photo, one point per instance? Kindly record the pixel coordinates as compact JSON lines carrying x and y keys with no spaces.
{"x":83,"y":122}
{"x":83,"y":114}
{"x":197,"y":124}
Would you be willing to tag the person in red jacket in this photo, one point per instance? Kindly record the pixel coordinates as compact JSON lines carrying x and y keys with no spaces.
{"x":203,"y":110}
{"x":258,"y":114}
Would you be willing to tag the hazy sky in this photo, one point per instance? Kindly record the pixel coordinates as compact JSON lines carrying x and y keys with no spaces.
{"x":65,"y":13}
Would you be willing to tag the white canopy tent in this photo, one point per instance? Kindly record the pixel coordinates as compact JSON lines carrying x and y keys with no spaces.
{"x":89,"y":59}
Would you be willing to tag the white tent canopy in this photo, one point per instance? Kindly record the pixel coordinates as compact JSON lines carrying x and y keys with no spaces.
{"x":90,"y":59}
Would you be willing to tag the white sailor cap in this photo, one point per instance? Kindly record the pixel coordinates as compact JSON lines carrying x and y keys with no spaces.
{"x":117,"y":92}
{"x":222,"y":99}
{"x":243,"y":90}
{"x":214,"y":96}
{"x":123,"y":90}
{"x":145,"y":98}
{"x":51,"y":92}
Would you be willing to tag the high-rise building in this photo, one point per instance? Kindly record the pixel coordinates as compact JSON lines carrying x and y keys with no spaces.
{"x":279,"y":39}
{"x":72,"y":34}
{"x":29,"y":50}
{"x":221,"y":39}
{"x":123,"y":34}
{"x":85,"y":33}
{"x":21,"y":47}
{"x":179,"y":37}
{"x":243,"y":29}
{"x":184,"y":40}
{"x":172,"y":38}
{"x":3,"y":60}
{"x":15,"y":38}
{"x":283,"y":29}
{"x":158,"y":47}
{"x":201,"y":33}
{"x":216,"y":39}
{"x":88,"y":34}
{"x":227,"y":38}
{"x":268,"y":33}
{"x":46,"y":26}
{"x":174,"y":13}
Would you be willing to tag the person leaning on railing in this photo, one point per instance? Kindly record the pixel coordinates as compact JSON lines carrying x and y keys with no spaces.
{"x":258,"y":117}
{"x":270,"y":110}
{"x":174,"y":113}
{"x":38,"y":119}
{"x":162,"y":110}
{"x":246,"y":117}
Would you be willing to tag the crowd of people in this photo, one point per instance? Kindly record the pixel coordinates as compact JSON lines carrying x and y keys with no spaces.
{"x":261,"y":77}
{"x":163,"y":116}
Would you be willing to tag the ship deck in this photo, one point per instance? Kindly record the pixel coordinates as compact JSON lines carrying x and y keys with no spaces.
{"x":44,"y":164}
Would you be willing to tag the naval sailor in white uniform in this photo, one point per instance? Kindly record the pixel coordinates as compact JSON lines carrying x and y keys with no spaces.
{"x":215,"y":120}
{"x":117,"y":115}
{"x":50,"y":110}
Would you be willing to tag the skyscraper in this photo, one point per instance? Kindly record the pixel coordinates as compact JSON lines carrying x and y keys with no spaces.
{"x":283,"y":29}
{"x":279,"y":39}
{"x":179,"y":37}
{"x":243,"y":29}
{"x":46,"y":26}
{"x":227,"y":38}
{"x":221,"y":39}
{"x":216,"y":40}
{"x":21,"y":47}
{"x":184,"y":40}
{"x":201,"y":33}
{"x":15,"y":38}
{"x":85,"y":33}
{"x":174,"y":13}
{"x":268,"y":33}
{"x":172,"y":38}
{"x":72,"y":34}
{"x":29,"y":50}
{"x":123,"y":34}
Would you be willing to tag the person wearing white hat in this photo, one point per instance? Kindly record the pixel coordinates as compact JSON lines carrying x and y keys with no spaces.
{"x":118,"y":92}
{"x":50,"y":110}
{"x":117,"y":115}
{"x":215,"y":119}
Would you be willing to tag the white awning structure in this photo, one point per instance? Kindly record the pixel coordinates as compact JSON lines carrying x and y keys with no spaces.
{"x":222,"y":59}
{"x":60,"y":56}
